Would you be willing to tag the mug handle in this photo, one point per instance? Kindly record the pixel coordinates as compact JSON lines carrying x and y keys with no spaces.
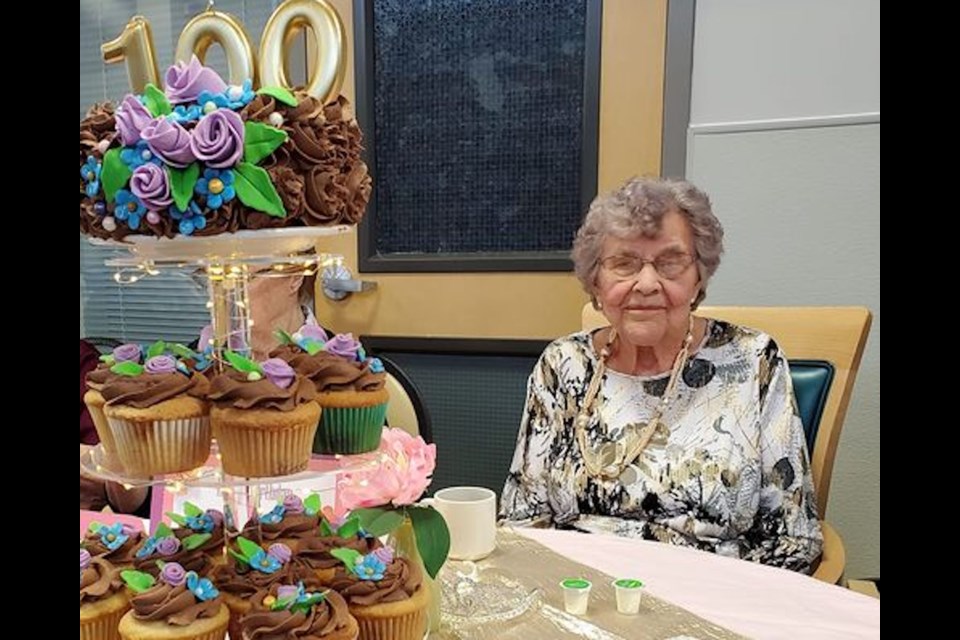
{"x":427,"y":502}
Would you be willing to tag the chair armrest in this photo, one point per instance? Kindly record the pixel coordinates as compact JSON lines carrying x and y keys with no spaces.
{"x":834,"y":558}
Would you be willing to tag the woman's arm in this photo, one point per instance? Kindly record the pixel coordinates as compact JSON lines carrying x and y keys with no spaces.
{"x":786,"y":530}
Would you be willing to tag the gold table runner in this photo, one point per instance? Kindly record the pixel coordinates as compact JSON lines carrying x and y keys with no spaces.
{"x":520,"y":565}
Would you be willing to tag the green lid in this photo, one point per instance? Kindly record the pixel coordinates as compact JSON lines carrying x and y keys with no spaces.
{"x":575,"y":583}
{"x":628,"y":583}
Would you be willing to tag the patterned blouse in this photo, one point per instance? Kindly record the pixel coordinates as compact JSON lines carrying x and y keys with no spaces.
{"x":729,"y":473}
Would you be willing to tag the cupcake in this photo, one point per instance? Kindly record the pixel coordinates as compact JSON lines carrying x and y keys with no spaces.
{"x":164,"y":547}
{"x":116,"y":542}
{"x":179,"y":606}
{"x":195,"y":520}
{"x":291,"y":521}
{"x":287,"y":611}
{"x":102,"y":598}
{"x":95,"y":401}
{"x":158,"y":415}
{"x":264,"y":417}
{"x":315,"y":553}
{"x":385,"y":593}
{"x":350,"y":388}
{"x":250,"y":569}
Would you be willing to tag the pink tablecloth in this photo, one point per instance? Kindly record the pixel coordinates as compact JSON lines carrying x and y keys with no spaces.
{"x":751,"y":599}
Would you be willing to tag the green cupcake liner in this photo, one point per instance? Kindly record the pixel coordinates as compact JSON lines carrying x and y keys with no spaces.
{"x":346,"y":430}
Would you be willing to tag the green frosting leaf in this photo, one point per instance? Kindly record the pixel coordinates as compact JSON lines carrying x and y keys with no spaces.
{"x":195,"y":540}
{"x":314,"y":347}
{"x":239,"y":556}
{"x":240,"y":363}
{"x":349,"y":528}
{"x":94,"y":526}
{"x":155,"y":101}
{"x":312,"y":504}
{"x":283,"y":337}
{"x":348,"y":557}
{"x":307,"y":603}
{"x":127,"y":368}
{"x":176,"y":517}
{"x":162,"y":531}
{"x":256,"y":190}
{"x":182,"y":351}
{"x":433,"y":537}
{"x":182,"y":182}
{"x":107,"y":357}
{"x":156,"y":349}
{"x":192,"y":510}
{"x":325,"y":529}
{"x":260,"y":140}
{"x":114,"y":174}
{"x":247,"y":547}
{"x":138,"y":581}
{"x":280,"y":94}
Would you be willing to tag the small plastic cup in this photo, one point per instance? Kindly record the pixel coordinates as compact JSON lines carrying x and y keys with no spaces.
{"x":576,"y":595}
{"x":629,"y":592}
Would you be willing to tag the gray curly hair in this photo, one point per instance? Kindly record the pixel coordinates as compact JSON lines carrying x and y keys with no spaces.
{"x":637,"y":208}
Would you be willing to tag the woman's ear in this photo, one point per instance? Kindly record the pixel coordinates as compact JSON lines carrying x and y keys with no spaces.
{"x":295,"y":282}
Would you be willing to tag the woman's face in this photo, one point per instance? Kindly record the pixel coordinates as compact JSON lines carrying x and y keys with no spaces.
{"x":647,"y":308}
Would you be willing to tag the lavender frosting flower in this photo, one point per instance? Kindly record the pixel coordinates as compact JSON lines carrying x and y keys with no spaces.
{"x":84,"y":559}
{"x":218,"y":139}
{"x":168,"y":546}
{"x":185,"y":80}
{"x":129,"y":352}
{"x":281,"y":552}
{"x":216,"y":516}
{"x":173,"y":574}
{"x":279,"y":373}
{"x":343,"y":345}
{"x":149,"y":183}
{"x":384,"y":554}
{"x":292,"y":504}
{"x":285,"y":591}
{"x":169,"y":141}
{"x":161,"y":364}
{"x":131,"y":117}
{"x":313,"y":332}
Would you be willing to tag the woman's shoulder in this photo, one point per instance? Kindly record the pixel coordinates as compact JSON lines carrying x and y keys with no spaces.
{"x":575,"y":347}
{"x":727,"y":337}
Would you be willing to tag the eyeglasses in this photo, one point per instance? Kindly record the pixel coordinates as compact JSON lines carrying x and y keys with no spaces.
{"x":669,"y":266}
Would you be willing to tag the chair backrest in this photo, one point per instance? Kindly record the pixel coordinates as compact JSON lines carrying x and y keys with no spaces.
{"x":406,"y":409}
{"x":825,"y":345}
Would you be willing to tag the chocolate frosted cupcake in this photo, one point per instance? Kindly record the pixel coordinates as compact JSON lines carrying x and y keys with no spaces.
{"x":291,"y":521}
{"x":117,"y":542}
{"x":158,"y":416}
{"x":350,"y":388}
{"x":195,"y":520}
{"x":102,"y":598}
{"x":179,"y":606}
{"x":95,"y":401}
{"x":292,"y":612}
{"x":165,"y":547}
{"x":386,"y":594}
{"x":264,"y":418}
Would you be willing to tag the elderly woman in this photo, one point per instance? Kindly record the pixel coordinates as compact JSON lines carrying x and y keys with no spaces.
{"x":664,"y":425}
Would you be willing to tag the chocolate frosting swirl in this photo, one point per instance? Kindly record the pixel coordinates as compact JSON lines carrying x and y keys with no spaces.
{"x":291,"y":525}
{"x":176,"y":606}
{"x":232,"y":389}
{"x":238,"y":579}
{"x":315,"y":552}
{"x":122,"y":555}
{"x":400,"y":581}
{"x":99,"y":581}
{"x":330,"y":372}
{"x":147,"y":389}
{"x":324,"y":618}
{"x":190,"y":559}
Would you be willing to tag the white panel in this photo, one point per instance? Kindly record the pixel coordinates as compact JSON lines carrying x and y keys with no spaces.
{"x":801,"y":210}
{"x":771,"y":59}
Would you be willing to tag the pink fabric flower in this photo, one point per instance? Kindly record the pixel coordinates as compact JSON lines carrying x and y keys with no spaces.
{"x":404,"y":474}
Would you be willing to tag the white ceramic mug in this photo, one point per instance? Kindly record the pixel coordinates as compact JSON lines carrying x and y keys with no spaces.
{"x":471,"y":515}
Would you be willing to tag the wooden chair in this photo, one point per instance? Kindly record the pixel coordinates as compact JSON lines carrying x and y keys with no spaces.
{"x":836,"y":335}
{"x":406,"y":409}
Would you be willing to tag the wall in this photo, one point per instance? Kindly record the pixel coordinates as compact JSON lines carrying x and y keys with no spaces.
{"x":785,"y":136}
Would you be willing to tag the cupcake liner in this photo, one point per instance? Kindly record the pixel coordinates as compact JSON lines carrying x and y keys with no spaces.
{"x":214,"y":628}
{"x":260,"y":447}
{"x":390,"y":622}
{"x":161,"y":446}
{"x":350,"y":429}
{"x":103,"y":626}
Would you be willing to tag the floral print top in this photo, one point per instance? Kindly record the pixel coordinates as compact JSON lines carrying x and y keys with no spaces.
{"x":729,"y":472}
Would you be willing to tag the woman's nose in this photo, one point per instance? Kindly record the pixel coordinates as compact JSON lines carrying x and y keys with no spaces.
{"x":647,"y":280}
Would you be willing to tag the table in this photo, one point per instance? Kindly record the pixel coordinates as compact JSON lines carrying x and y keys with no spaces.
{"x":745,"y":597}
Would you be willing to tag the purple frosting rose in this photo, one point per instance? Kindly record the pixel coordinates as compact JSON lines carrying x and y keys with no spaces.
{"x":292,"y":504}
{"x":343,"y":345}
{"x":149,"y":183}
{"x":169,"y":141}
{"x":161,"y":364}
{"x":218,"y":139}
{"x":185,"y":80}
{"x":384,"y":554}
{"x":216,"y":516}
{"x":313,"y":332}
{"x":168,"y":546}
{"x":84,"y":559}
{"x":280,"y":552}
{"x":278,"y":372}
{"x":206,"y":338}
{"x":173,"y":574}
{"x":129,"y":352}
{"x":131,"y":117}
{"x":285,"y":591}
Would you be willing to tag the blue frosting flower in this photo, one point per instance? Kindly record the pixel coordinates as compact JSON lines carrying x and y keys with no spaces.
{"x":376,"y":366}
{"x":91,"y":175}
{"x":239,"y":97}
{"x":216,"y":186}
{"x":275,"y":515}
{"x":113,"y":536}
{"x":182,"y":113}
{"x":148,"y":547}
{"x":263,"y":562}
{"x":370,"y":567}
{"x":202,"y":588}
{"x":190,"y":220}
{"x":219,"y":100}
{"x":138,"y":156}
{"x":129,"y":209}
{"x":203,"y":523}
